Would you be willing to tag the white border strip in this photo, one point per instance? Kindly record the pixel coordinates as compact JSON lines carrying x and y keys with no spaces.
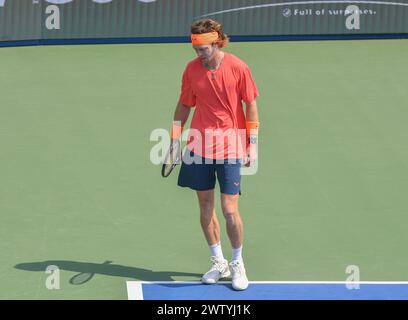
{"x":301,"y":2}
{"x":135,"y":290}
{"x":281,"y":282}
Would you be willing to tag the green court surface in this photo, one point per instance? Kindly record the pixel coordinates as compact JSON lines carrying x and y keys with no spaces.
{"x":78,"y":190}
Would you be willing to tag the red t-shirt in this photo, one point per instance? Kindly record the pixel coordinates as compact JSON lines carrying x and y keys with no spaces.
{"x":219,"y":114}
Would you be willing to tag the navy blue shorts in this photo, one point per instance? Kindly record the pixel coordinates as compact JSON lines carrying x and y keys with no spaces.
{"x":201,"y":176}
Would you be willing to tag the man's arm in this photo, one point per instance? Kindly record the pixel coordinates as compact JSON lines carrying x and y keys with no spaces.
{"x":179,"y":119}
{"x":181,"y":113}
{"x":252,"y":119}
{"x":252,"y":111}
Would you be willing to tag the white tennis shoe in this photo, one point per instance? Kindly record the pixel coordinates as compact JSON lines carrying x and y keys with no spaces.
{"x":219,"y":269}
{"x":239,"y":278}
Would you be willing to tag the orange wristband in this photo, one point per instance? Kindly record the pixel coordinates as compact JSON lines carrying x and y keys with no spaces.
{"x":252,"y":127}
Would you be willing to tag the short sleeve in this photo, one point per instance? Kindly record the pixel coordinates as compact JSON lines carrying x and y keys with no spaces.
{"x":248,"y":88}
{"x":187,"y":96}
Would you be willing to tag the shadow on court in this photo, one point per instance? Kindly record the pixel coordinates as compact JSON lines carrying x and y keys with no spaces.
{"x":86,"y":271}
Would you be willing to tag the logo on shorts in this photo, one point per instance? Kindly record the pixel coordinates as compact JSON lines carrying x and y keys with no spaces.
{"x":236,"y":183}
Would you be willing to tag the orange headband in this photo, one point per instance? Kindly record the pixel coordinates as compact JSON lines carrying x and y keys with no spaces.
{"x":204,"y":38}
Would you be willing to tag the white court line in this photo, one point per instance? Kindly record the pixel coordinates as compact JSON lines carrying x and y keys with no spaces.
{"x":135,"y":290}
{"x":285,"y":282}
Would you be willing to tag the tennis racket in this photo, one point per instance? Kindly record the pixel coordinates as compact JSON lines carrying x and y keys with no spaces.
{"x":173,"y":158}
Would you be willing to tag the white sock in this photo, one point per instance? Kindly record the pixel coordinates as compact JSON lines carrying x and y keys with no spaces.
{"x":216,"y":250}
{"x":237,"y":254}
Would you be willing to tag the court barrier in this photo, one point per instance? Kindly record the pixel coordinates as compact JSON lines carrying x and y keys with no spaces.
{"x":33,"y":22}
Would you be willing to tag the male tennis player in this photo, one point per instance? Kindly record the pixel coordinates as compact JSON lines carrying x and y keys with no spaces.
{"x":216,"y":83}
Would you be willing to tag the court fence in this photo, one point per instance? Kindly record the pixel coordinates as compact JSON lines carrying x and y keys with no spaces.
{"x":32,"y":22}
